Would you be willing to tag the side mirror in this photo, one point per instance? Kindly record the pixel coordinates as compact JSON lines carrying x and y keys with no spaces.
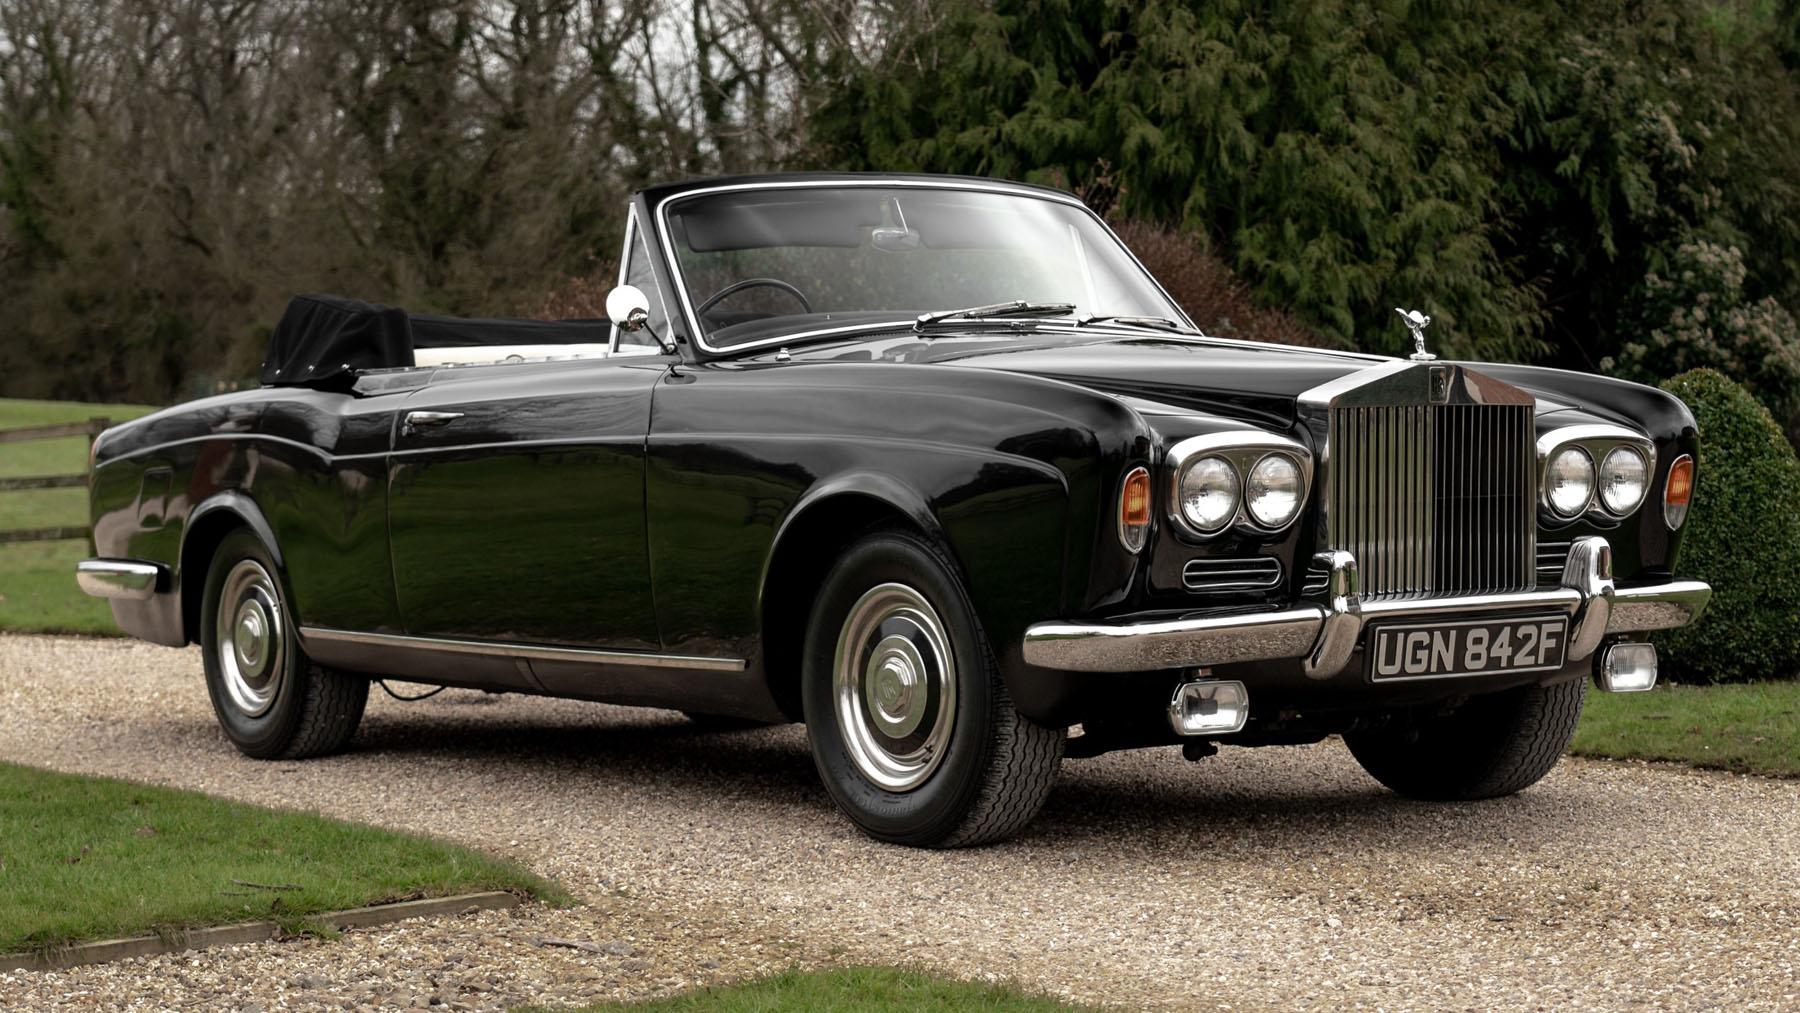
{"x":628,"y":308}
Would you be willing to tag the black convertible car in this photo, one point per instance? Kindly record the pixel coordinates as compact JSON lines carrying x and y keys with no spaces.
{"x":933,"y":465}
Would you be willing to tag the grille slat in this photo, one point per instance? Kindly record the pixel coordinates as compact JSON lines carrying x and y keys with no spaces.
{"x":1213,"y":575}
{"x":1434,"y":499}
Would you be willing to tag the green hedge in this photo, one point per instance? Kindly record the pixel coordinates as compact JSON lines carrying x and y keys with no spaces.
{"x":1743,"y":537}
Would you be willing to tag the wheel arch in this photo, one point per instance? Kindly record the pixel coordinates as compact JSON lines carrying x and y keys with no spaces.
{"x":809,"y":540}
{"x":207,"y":525}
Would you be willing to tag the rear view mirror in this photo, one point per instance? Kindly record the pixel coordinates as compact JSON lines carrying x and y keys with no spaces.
{"x":894,"y":240}
{"x":628,"y":308}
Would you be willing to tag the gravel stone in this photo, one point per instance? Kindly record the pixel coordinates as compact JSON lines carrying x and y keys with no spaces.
{"x":1273,"y":878}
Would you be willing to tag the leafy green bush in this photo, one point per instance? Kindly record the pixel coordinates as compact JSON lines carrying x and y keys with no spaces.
{"x":1697,"y":316}
{"x":1743,"y":537}
{"x":1515,"y":168}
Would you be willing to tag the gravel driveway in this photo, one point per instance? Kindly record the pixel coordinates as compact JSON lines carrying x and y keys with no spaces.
{"x":1275,"y":878}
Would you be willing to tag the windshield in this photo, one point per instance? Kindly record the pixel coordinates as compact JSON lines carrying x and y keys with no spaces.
{"x":775,"y":264}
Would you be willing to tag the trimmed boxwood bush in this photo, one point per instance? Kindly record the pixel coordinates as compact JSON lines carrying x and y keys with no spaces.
{"x":1743,"y":537}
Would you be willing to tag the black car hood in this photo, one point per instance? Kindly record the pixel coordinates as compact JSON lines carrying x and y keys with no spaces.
{"x":1161,"y":374}
{"x":1256,"y":380}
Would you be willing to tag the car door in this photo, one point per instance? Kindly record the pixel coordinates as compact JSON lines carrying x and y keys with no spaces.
{"x":516,"y":504}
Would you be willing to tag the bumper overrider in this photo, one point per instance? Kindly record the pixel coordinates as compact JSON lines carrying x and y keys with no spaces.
{"x":1325,"y":635}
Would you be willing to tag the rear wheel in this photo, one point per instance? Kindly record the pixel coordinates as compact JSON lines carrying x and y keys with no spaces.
{"x":912,"y":729}
{"x":1491,"y":746}
{"x":271,"y":700}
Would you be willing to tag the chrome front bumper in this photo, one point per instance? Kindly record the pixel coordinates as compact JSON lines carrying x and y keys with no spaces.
{"x":1326,"y":635}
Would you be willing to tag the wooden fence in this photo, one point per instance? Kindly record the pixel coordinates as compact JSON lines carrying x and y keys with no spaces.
{"x":90,"y":429}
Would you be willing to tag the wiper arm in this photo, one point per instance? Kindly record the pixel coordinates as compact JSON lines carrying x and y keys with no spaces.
{"x":1013,"y":308}
{"x":1160,"y":323}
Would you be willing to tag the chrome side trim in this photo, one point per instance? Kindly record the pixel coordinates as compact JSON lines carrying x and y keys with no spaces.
{"x":131,"y":579}
{"x":539,"y":652}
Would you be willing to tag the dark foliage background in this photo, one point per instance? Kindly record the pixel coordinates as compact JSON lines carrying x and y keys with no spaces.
{"x":1600,"y":184}
{"x":1563,"y":182}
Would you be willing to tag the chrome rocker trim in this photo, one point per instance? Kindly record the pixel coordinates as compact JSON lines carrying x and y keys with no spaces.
{"x":536,"y":652}
{"x":131,"y":579}
{"x":1325,"y":636}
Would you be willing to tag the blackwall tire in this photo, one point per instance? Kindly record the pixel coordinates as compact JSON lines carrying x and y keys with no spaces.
{"x":271,"y":700}
{"x":912,"y":729}
{"x":1491,"y":746}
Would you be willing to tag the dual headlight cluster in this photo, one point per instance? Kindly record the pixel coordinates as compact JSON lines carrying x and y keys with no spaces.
{"x":1256,"y":480}
{"x":1606,"y":471}
{"x":1571,"y":483}
{"x":1211,"y":492}
{"x":1243,"y":479}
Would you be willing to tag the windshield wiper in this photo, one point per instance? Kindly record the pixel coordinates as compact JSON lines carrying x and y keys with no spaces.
{"x":1160,"y":323}
{"x":1014,"y":308}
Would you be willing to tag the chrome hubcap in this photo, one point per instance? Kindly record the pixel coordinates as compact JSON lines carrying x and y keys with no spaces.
{"x":250,"y":643}
{"x":895,"y":687}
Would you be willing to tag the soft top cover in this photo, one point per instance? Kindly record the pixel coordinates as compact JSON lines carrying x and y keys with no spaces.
{"x":324,"y":340}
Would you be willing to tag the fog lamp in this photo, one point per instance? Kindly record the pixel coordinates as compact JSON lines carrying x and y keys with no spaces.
{"x":1209,"y":707}
{"x":1628,"y":668}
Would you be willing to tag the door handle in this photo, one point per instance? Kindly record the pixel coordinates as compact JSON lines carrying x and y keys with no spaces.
{"x":416,"y":421}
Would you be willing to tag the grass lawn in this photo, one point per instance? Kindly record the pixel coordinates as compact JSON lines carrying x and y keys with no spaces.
{"x":1752,"y":729}
{"x":847,"y":990}
{"x":86,"y":858}
{"x":37,"y":579}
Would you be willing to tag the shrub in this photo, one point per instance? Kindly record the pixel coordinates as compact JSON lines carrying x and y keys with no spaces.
{"x":1743,"y":537}
{"x":1696,"y":315}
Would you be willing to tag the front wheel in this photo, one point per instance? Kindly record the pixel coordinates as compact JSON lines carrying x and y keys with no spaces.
{"x":272,"y":701}
{"x":1491,"y":746}
{"x":912,"y":729}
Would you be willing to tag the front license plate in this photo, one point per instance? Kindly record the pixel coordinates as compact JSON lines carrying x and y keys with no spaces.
{"x":1442,"y":650}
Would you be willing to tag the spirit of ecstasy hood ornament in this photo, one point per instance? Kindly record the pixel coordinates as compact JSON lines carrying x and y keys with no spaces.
{"x":1416,"y":322}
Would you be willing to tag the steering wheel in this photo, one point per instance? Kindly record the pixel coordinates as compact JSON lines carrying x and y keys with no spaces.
{"x":736,"y":287}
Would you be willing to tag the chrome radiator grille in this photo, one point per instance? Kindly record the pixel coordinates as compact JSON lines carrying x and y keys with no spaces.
{"x":1434,"y":499}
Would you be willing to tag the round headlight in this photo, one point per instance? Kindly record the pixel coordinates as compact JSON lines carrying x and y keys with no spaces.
{"x":1624,"y":478}
{"x":1272,"y":494}
{"x":1569,"y":482}
{"x":1209,"y":493}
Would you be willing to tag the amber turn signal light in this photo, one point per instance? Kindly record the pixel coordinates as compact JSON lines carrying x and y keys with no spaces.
{"x":1678,"y":491}
{"x":1134,"y":509}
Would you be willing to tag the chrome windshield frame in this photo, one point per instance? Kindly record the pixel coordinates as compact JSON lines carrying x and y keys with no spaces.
{"x":697,"y":334}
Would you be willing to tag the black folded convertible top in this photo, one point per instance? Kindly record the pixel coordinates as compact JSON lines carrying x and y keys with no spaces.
{"x":324,"y":340}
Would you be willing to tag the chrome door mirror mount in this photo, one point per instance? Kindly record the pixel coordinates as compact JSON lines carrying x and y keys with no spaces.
{"x":629,"y":310}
